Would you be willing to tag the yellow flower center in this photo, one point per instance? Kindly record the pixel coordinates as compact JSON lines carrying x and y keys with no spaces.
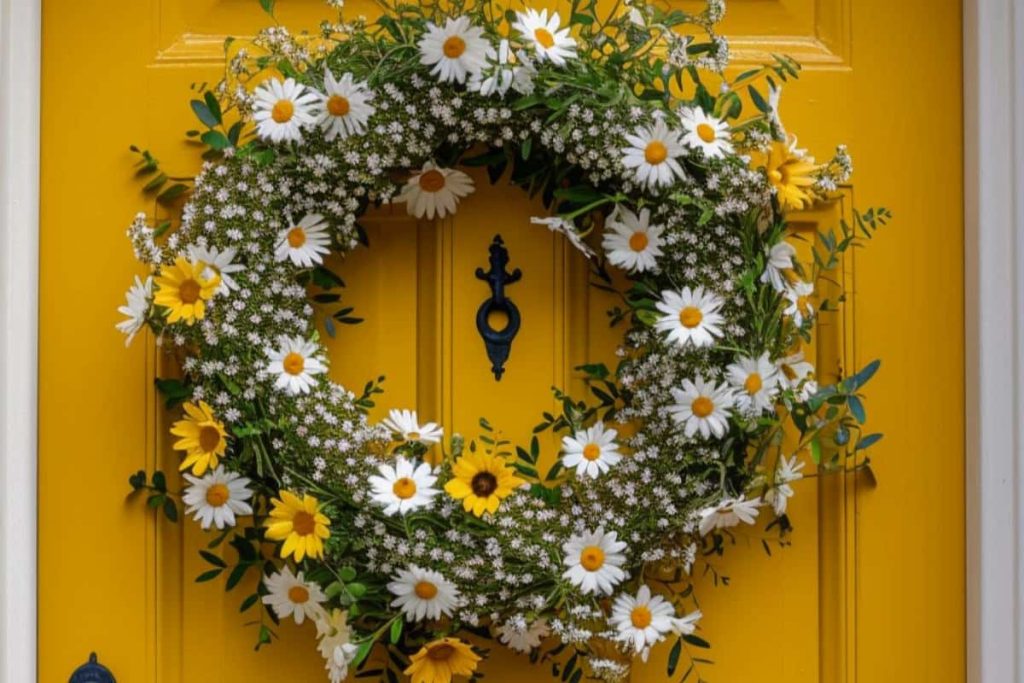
{"x":592,"y":558}
{"x":638,"y":241}
{"x":431,"y":181}
{"x":706,"y":132}
{"x":294,"y":363}
{"x":217,"y":495}
{"x":655,"y":152}
{"x":702,"y":406}
{"x":640,"y":616}
{"x":591,"y":451}
{"x":404,"y":488}
{"x":338,"y":105}
{"x":303,"y":523}
{"x":282,"y":111}
{"x":425,"y":590}
{"x":544,"y":37}
{"x":454,"y":47}
{"x":441,"y":653}
{"x":296,"y":237}
{"x":413,"y":436}
{"x":299,"y":595}
{"x":690,"y":317}
{"x":188,"y":291}
{"x":209,"y":439}
{"x":753,"y":383}
{"x":483,"y":484}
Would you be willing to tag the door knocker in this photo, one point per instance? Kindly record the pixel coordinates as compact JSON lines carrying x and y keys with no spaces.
{"x":498,"y":342}
{"x":92,"y":672}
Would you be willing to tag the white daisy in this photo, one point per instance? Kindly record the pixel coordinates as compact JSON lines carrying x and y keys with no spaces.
{"x":594,"y":561}
{"x":220,"y":262}
{"x":293,"y":363}
{"x":550,"y":41}
{"x":642,"y":620}
{"x":800,"y":308}
{"x":498,"y":76}
{"x":631,"y":242}
{"x":652,"y":154}
{"x":684,"y":626}
{"x":423,"y":594}
{"x":304,"y":243}
{"x":728,"y":513}
{"x":780,"y":261}
{"x":705,"y":132}
{"x":345,"y":106}
{"x":435,"y":191}
{"x":690,"y":316}
{"x":283,"y":110}
{"x":797,"y":374}
{"x":405,"y":423}
{"x":217,"y":497}
{"x":292,"y":596}
{"x":592,"y":451}
{"x":786,"y":472}
{"x":335,"y":644}
{"x":560,"y":225}
{"x":755,"y":381}
{"x":701,"y":407}
{"x":138,"y":300}
{"x":456,"y":51}
{"x":403,"y":487}
{"x":524,"y":640}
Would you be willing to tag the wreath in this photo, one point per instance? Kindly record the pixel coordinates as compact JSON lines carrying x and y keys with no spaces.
{"x":409,"y":550}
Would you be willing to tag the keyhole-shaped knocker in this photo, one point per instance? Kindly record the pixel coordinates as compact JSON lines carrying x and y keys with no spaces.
{"x":498,"y":342}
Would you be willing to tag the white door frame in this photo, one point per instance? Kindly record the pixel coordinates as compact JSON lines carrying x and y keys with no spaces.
{"x":994,"y":295}
{"x":994,"y":301}
{"x":19,"y":295}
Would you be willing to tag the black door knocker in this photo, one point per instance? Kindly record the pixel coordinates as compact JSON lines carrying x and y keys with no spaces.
{"x":498,"y":342}
{"x":92,"y":672}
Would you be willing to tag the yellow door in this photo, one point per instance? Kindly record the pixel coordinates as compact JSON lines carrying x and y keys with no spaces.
{"x":871,"y":588}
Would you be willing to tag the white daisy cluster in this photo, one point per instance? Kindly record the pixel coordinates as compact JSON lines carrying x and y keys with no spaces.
{"x":667,"y":191}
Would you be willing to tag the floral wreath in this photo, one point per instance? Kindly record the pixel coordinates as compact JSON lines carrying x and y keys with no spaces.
{"x":409,"y":551}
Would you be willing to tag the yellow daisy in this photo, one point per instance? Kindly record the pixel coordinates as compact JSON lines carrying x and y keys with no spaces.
{"x":439,"y":661}
{"x":203,"y":438}
{"x":184,"y":290}
{"x":790,"y":173}
{"x":481,"y":482}
{"x":300,"y":524}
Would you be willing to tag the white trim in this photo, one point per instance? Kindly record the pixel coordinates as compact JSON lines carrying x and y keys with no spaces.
{"x":19,"y":252}
{"x":994,"y":252}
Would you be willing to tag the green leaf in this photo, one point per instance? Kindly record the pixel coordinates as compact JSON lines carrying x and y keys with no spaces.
{"x":867,"y":441}
{"x":170,"y":510}
{"x":356,"y":590}
{"x":249,"y":602}
{"x":857,"y":408}
{"x":215,"y":139}
{"x":696,"y":641}
{"x":673,"y":657}
{"x":268,"y":6}
{"x":213,"y":559}
{"x":236,"y":575}
{"x":347,"y":574}
{"x":174,"y":391}
{"x":171,"y":193}
{"x":208,"y":575}
{"x":137,"y":480}
{"x":213,"y":105}
{"x":396,"y":630}
{"x":204,"y":114}
{"x":758,"y":100}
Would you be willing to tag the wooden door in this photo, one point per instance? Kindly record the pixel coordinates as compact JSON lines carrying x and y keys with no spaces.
{"x":871,"y":588}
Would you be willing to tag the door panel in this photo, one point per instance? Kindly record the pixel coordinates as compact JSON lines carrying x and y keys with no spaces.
{"x":867,"y":566}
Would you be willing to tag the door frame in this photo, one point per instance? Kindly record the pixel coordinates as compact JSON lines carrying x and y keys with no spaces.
{"x":20,"y":42}
{"x":993,"y":33}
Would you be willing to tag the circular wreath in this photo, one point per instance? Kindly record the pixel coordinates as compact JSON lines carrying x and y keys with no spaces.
{"x":389,"y":537}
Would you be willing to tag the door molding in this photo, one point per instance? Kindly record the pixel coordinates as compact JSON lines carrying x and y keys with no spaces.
{"x":994,"y":315}
{"x":19,"y":295}
{"x":994,"y":296}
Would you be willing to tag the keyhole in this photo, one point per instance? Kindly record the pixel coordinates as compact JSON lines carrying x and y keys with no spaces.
{"x":497,"y":320}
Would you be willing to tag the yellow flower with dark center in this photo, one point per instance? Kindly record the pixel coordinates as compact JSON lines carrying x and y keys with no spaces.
{"x":202,"y":437}
{"x":481,"y":482}
{"x":791,"y":174}
{"x":300,"y":524}
{"x":184,"y":290}
{"x":440,"y":660}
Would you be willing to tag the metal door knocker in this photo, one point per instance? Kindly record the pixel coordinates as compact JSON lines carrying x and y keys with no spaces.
{"x":92,"y":672}
{"x":498,"y":342}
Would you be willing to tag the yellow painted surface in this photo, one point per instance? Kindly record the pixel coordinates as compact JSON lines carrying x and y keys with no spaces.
{"x":871,"y":589}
